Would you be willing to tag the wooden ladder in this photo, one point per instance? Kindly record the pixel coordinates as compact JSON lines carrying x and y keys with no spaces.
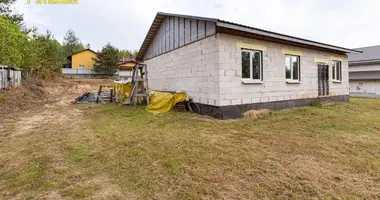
{"x":139,"y":79}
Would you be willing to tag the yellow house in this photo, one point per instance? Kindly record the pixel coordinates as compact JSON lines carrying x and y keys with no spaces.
{"x":125,"y":67}
{"x":83,"y":59}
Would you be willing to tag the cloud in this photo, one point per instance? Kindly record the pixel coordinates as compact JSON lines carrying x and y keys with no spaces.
{"x":125,"y":23}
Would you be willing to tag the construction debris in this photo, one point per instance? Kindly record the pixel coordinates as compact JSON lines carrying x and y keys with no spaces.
{"x":88,"y":97}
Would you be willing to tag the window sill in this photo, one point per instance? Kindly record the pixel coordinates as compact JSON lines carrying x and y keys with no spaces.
{"x":337,"y":81}
{"x":250,"y":81}
{"x":293,"y":82}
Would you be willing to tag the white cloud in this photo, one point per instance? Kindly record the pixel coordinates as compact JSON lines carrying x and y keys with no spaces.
{"x":125,"y":23}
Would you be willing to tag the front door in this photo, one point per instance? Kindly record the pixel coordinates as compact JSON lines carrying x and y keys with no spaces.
{"x":323,"y":79}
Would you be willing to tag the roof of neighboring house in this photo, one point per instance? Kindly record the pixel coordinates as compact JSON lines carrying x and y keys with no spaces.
{"x":69,"y":57}
{"x":238,"y":27}
{"x":369,"y":55}
{"x":10,"y":67}
{"x":126,"y":60}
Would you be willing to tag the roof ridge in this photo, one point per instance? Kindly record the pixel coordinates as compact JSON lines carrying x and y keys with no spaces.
{"x":367,"y":47}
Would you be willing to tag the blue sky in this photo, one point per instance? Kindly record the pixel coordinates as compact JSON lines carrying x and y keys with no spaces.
{"x":124,"y":23}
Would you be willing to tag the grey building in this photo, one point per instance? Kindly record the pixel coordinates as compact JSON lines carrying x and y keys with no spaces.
{"x":364,"y":72}
{"x":230,"y":68}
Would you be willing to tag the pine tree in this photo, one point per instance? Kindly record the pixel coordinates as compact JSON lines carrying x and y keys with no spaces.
{"x":71,"y":43}
{"x":106,"y":60}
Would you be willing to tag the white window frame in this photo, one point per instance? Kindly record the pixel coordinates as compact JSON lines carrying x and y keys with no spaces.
{"x":291,"y":80}
{"x":81,"y":66}
{"x":251,"y":79}
{"x":334,"y":71}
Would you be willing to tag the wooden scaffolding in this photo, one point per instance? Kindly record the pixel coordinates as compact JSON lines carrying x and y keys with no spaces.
{"x":140,"y":89}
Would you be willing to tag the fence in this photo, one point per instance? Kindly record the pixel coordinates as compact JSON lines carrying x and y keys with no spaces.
{"x":9,"y":77}
{"x":90,"y":73}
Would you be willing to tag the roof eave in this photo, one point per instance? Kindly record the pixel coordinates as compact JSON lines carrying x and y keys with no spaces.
{"x":364,"y":62}
{"x":252,"y":30}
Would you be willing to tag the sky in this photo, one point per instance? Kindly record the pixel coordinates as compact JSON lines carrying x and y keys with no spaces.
{"x":124,"y":23}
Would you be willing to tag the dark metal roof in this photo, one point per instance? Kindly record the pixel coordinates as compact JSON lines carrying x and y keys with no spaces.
{"x":231,"y":25}
{"x":369,"y":55}
{"x":258,"y":31}
{"x":9,"y":67}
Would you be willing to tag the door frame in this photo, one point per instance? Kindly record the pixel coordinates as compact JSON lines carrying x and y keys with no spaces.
{"x":323,"y":74}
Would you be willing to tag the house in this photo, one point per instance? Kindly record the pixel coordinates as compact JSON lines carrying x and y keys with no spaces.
{"x":364,"y":70}
{"x":83,"y":59}
{"x":229,"y":68}
{"x":81,"y":64}
{"x":125,"y":67}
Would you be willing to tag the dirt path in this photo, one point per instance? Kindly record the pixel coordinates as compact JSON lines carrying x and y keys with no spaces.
{"x":56,"y":111}
{"x":36,"y":124}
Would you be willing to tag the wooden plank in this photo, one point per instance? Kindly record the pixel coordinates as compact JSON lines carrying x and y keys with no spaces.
{"x":100,"y":90}
{"x":159,"y":40}
{"x":181,"y":32}
{"x":167,"y":35}
{"x":162,"y":38}
{"x":171,"y":34}
{"x":194,"y":30}
{"x":210,"y":28}
{"x":201,"y":29}
{"x":187,"y":31}
{"x":176,"y":32}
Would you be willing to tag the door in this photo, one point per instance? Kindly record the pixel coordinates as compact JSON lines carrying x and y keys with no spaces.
{"x":323,"y":79}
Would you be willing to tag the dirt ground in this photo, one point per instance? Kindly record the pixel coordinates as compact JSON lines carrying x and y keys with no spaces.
{"x":59,"y":150}
{"x":44,"y":103}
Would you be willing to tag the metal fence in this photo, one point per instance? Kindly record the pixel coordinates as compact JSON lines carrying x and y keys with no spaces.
{"x":90,"y":72}
{"x":9,"y":77}
{"x":71,"y":71}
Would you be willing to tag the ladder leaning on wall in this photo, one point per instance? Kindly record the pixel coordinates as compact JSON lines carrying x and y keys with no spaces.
{"x":140,"y":89}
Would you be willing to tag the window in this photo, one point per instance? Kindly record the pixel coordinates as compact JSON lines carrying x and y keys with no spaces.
{"x":81,"y":66}
{"x":251,"y":61}
{"x":292,"y":68}
{"x":336,"y":70}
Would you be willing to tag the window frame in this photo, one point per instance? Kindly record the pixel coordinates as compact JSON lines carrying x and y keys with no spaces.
{"x":251,"y":53}
{"x":291,"y":69}
{"x":81,"y":67}
{"x":334,"y":71}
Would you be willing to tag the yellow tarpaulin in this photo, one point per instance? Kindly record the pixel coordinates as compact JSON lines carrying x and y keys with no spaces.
{"x":162,"y":102}
{"x":122,"y":89}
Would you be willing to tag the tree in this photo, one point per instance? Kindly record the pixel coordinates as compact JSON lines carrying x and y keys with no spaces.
{"x":106,"y":61}
{"x":14,"y":44}
{"x":124,"y":53}
{"x":88,"y":46}
{"x":48,"y":52}
{"x":134,"y":54}
{"x":71,"y":43}
{"x":6,"y":11}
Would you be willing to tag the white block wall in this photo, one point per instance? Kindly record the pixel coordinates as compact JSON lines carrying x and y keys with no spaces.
{"x":274,"y":86}
{"x":193,"y":68}
{"x":365,"y":88}
{"x":210,"y":71}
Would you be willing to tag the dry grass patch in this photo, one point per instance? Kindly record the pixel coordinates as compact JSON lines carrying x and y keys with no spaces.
{"x":330,"y":151}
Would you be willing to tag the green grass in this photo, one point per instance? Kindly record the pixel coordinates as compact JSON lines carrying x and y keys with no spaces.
{"x":325,"y":151}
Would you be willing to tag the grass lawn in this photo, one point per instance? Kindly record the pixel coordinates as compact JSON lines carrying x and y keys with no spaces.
{"x":111,"y":152}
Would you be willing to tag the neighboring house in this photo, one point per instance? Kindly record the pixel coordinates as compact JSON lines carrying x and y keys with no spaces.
{"x":365,"y":72}
{"x":125,"y":67}
{"x":81,"y":64}
{"x":230,"y":68}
